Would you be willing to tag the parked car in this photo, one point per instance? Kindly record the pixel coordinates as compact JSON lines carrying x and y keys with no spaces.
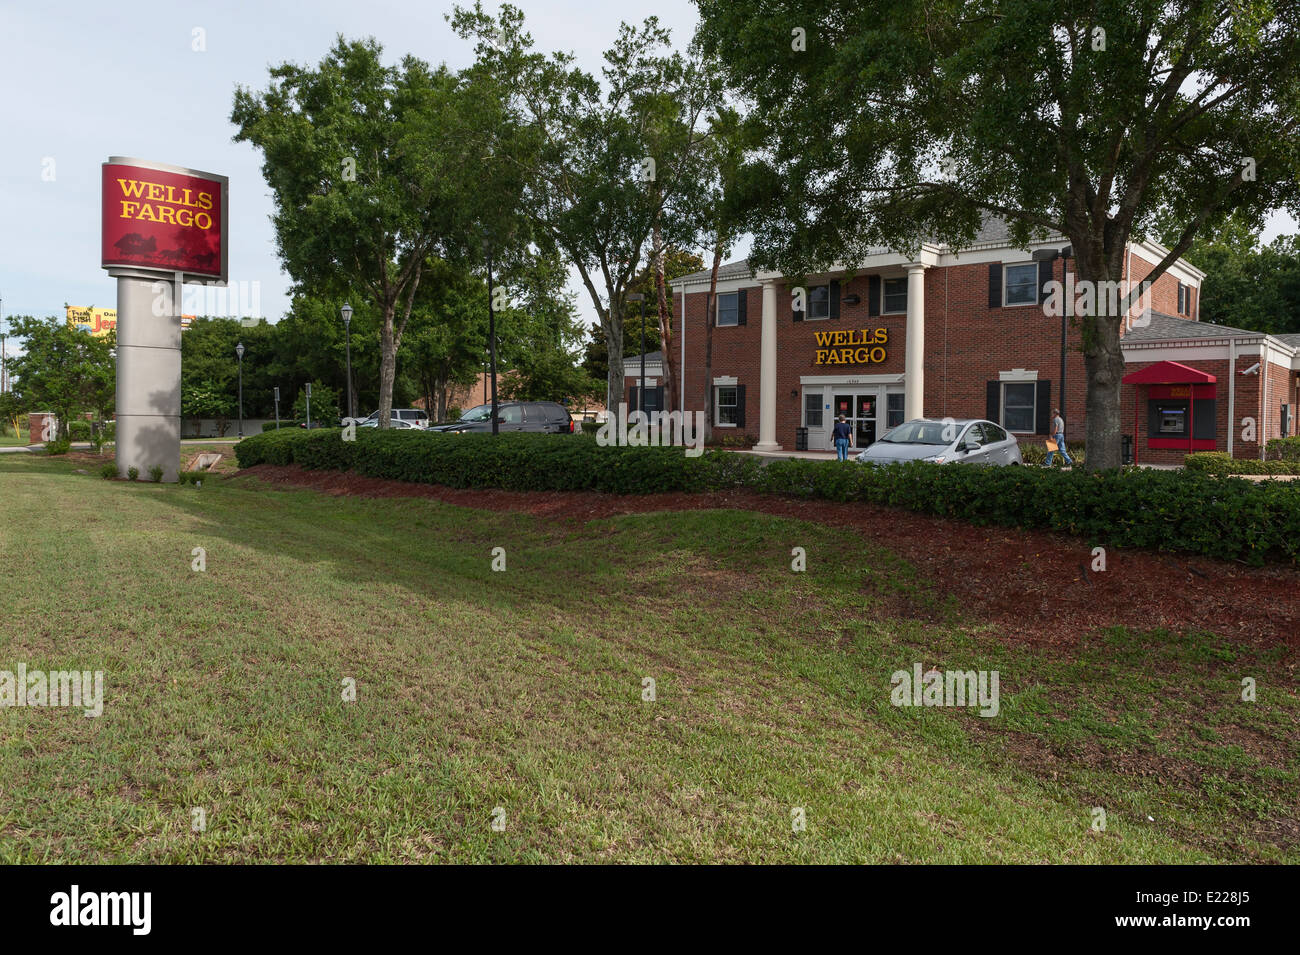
{"x":944,"y":442}
{"x":546,"y":416}
{"x":415,"y":417}
{"x":397,"y":424}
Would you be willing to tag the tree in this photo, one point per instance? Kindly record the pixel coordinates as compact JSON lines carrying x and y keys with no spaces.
{"x":63,"y":370}
{"x":324,"y":404}
{"x":447,"y":338}
{"x":602,"y":163}
{"x":368,"y":165}
{"x":200,"y":401}
{"x":1246,"y":285}
{"x":889,"y":122}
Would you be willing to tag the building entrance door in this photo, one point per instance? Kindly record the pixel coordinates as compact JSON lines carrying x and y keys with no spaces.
{"x":861,"y":411}
{"x":864,"y":425}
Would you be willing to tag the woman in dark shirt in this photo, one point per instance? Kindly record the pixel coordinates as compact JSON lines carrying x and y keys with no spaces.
{"x":840,"y":436}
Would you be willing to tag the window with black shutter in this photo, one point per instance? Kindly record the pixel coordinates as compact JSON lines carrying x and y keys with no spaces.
{"x":995,"y":285}
{"x":873,"y":295}
{"x":742,"y":300}
{"x":833,"y":294}
{"x":740,"y":406}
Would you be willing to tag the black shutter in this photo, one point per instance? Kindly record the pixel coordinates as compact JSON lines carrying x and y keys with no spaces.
{"x":742,"y":296}
{"x":833,"y":295}
{"x":740,"y":406}
{"x":993,"y":401}
{"x":1044,"y":276}
{"x":1043,"y":408}
{"x":873,"y":295}
{"x":995,"y":286}
{"x":631,"y":398}
{"x":1205,"y":423}
{"x":795,"y":314}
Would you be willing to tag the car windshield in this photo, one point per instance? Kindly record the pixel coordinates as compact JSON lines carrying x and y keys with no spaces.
{"x":479,"y":413}
{"x":918,"y":432}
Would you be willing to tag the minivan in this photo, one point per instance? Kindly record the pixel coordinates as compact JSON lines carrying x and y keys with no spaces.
{"x":549,"y":417}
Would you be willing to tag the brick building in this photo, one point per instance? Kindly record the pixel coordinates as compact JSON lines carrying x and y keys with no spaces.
{"x":970,"y":333}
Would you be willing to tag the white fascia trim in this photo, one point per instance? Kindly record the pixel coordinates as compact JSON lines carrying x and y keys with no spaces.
{"x":725,"y":380}
{"x":1018,"y":374}
{"x":1153,"y":253}
{"x":1181,"y":351}
{"x":632,"y":369}
{"x":850,"y":380}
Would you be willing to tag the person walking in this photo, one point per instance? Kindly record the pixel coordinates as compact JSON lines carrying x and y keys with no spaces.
{"x":1058,"y":435}
{"x":840,"y":437}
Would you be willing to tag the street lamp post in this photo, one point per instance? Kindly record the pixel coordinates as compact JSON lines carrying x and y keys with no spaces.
{"x":346,"y":312}
{"x":640,"y":392}
{"x":492,"y":341}
{"x":277,"y":407}
{"x":239,"y":354}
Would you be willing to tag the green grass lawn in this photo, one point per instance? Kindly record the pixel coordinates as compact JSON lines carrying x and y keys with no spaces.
{"x":522,"y":690}
{"x":10,"y":440}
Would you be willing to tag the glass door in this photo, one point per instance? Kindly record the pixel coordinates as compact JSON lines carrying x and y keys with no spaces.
{"x":864,"y":425}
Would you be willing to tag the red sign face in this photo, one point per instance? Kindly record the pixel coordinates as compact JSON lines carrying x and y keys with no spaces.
{"x":158,"y":219}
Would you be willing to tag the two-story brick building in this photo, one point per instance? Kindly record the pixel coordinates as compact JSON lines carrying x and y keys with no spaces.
{"x":968,"y":334}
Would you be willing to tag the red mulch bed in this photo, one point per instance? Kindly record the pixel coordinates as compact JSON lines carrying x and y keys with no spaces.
{"x":1036,"y":585}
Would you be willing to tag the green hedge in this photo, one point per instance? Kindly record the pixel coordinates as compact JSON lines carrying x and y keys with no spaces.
{"x":1168,"y":510}
{"x":1219,"y":462}
{"x":1283,"y":449}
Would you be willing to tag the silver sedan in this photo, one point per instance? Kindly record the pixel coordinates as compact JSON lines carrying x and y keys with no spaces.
{"x":944,"y":441}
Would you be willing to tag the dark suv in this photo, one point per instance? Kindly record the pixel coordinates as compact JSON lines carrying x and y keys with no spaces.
{"x":546,"y":416}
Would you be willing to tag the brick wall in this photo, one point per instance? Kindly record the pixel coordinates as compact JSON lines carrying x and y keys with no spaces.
{"x":967,"y":344}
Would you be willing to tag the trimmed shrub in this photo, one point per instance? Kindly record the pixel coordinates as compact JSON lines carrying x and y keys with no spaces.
{"x":132,"y":474}
{"x":58,"y":446}
{"x":1189,"y":511}
{"x":1283,"y":449}
{"x":109,"y":471}
{"x":79,"y":430}
{"x":284,"y":423}
{"x":1220,"y":462}
{"x":155,"y":474}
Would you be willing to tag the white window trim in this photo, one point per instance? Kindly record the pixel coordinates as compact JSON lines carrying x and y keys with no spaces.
{"x":1002,"y":407}
{"x":717,"y":405}
{"x":717,"y":311}
{"x":1005,"y":285}
{"x":808,"y":316}
{"x":725,"y":380}
{"x":883,"y":297}
{"x":1018,"y":374}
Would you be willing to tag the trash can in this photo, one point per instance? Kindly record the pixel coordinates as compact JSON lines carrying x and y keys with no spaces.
{"x":801,"y":439}
{"x":1126,"y":445}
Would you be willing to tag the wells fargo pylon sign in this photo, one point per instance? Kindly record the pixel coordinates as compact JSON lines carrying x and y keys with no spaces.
{"x":163,"y":226}
{"x":164,"y":217}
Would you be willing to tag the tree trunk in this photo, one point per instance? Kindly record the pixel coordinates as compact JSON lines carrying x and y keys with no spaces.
{"x":387,"y":365}
{"x":613,"y":325}
{"x":1104,"y":362}
{"x":708,"y":340}
{"x":665,"y":324}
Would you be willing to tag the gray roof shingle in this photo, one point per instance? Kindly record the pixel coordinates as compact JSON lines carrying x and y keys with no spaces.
{"x":1170,"y":327}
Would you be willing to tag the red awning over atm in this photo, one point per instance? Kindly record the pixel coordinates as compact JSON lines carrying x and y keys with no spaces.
{"x":1169,"y":373}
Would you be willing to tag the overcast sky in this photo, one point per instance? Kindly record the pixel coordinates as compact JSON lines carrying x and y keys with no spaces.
{"x":89,"y":80}
{"x":86,"y":80}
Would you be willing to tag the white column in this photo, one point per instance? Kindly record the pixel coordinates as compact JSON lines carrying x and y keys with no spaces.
{"x":767,"y":374}
{"x":148,"y":377}
{"x":914,"y":354}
